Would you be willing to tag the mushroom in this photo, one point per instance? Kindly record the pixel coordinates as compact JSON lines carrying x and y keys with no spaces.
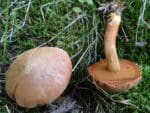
{"x":111,"y":73}
{"x":38,"y":76}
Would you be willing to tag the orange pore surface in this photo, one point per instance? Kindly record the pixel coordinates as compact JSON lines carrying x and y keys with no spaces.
{"x":125,"y":78}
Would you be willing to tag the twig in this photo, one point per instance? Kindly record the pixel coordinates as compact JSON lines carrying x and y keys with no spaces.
{"x":20,"y":7}
{"x":76,"y":54}
{"x":95,"y":25}
{"x":141,"y":19}
{"x":2,"y":81}
{"x":2,"y":74}
{"x":125,"y":35}
{"x":27,"y":10}
{"x":82,"y":56}
{"x":7,"y":109}
{"x":72,"y":23}
{"x":11,"y":31}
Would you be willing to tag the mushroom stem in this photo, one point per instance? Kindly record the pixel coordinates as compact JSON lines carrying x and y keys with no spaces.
{"x":110,"y":42}
{"x":113,"y":11}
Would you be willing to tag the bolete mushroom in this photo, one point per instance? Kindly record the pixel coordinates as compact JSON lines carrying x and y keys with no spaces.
{"x":38,"y":76}
{"x":111,"y":73}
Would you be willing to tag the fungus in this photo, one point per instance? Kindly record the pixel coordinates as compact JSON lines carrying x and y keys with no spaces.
{"x":38,"y":76}
{"x":111,"y":73}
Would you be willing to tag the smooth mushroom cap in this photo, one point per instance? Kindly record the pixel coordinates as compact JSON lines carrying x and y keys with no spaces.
{"x":38,"y":76}
{"x":127,"y":77}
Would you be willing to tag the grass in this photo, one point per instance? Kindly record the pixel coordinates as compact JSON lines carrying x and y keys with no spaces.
{"x":75,"y":27}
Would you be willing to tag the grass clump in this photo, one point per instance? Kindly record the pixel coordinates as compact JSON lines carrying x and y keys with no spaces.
{"x":75,"y":27}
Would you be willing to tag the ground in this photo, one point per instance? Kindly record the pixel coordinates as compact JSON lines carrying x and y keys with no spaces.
{"x":76,"y":27}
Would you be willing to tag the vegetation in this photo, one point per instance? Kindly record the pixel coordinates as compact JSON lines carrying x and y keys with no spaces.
{"x":75,"y":26}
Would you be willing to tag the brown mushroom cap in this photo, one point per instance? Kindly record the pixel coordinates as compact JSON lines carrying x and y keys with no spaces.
{"x":38,"y":76}
{"x":125,"y":78}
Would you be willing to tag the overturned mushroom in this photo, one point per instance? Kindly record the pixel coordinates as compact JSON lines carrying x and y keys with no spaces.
{"x":111,"y":73}
{"x":38,"y":76}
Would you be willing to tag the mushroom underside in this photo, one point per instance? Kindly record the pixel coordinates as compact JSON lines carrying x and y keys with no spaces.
{"x":124,"y":79}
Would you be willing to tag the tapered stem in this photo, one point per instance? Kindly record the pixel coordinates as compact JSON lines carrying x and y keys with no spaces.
{"x":110,"y":42}
{"x":113,"y":11}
